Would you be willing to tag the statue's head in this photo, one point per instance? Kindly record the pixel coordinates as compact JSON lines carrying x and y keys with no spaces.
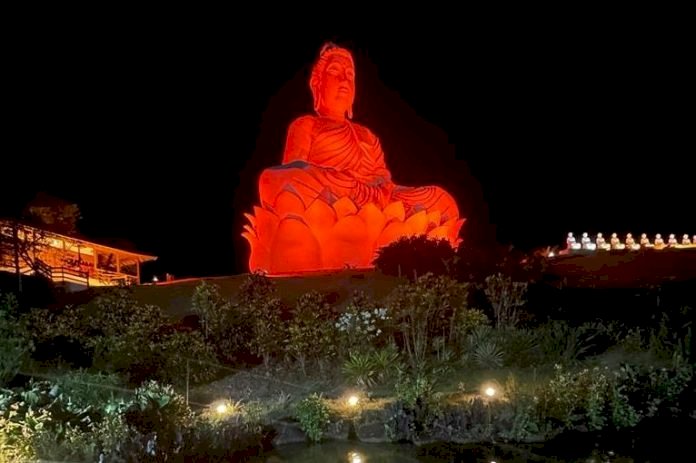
{"x":333,"y":81}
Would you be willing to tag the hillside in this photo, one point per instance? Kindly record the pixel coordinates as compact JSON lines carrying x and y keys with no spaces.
{"x":625,"y":269}
{"x":175,"y":297}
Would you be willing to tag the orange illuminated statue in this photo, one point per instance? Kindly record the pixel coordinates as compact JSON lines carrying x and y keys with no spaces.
{"x":332,"y":203}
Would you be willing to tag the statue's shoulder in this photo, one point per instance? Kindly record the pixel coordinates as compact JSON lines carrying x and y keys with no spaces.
{"x":305,"y":122}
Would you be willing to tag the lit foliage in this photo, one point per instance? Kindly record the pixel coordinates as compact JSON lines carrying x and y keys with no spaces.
{"x":311,"y":332}
{"x":223,"y":323}
{"x":124,"y":336}
{"x":362,"y":325}
{"x":313,"y":415}
{"x":430,"y":307}
{"x":262,"y":308}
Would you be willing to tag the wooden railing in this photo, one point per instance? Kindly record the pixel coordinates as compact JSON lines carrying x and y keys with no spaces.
{"x":80,"y":277}
{"x":113,"y":277}
{"x":68,"y":275}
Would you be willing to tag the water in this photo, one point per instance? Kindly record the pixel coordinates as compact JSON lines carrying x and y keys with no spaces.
{"x":357,"y":452}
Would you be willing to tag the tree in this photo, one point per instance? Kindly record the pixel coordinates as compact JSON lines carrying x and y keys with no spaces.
{"x":52,"y":213}
{"x":21,"y":246}
{"x":22,"y":241}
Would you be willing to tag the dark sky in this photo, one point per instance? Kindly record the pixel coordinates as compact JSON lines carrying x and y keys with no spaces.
{"x":160,"y":137}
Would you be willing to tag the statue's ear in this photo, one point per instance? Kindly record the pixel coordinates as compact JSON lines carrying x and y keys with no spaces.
{"x":316,"y":94}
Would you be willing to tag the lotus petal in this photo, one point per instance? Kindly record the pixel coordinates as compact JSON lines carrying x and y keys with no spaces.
{"x":266,"y":225}
{"x":439,"y":233}
{"x":344,"y":206}
{"x":347,"y":244}
{"x":374,"y":222}
{"x":395,"y":211}
{"x":417,"y":223}
{"x":294,"y":249}
{"x":251,"y":219}
{"x":392,"y":232}
{"x":288,"y":202}
{"x":434,"y":218}
{"x":320,"y":217}
{"x":250,"y":229}
{"x":259,"y":256}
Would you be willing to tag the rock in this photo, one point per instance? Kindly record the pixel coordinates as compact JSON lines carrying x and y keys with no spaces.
{"x":337,"y":430}
{"x":370,"y":426}
{"x":288,"y":432}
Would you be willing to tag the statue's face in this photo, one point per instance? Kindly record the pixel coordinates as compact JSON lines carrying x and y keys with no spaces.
{"x":337,"y":85}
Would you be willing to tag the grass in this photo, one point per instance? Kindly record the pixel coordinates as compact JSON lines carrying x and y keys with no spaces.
{"x":174,"y":298}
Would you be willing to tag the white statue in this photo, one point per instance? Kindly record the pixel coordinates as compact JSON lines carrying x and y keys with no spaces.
{"x":571,"y":243}
{"x":672,"y":241}
{"x":616,"y":243}
{"x":602,"y":243}
{"x":587,"y":243}
{"x":645,"y":241}
{"x":685,"y":240}
{"x":659,"y":242}
{"x":631,"y":243}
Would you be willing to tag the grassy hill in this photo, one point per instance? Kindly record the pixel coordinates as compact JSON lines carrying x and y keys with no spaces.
{"x":175,"y":297}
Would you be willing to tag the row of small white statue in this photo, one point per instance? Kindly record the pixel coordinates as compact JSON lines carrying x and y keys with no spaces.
{"x":630,"y":243}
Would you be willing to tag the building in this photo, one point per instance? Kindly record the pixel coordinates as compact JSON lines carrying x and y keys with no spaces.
{"x":72,"y":261}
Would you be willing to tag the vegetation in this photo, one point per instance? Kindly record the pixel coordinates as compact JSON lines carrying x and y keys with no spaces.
{"x":441,"y":358}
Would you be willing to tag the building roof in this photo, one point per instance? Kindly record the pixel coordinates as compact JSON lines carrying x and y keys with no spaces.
{"x":83,"y":241}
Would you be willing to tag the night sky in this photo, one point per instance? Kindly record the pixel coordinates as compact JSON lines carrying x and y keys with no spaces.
{"x":160,"y":138}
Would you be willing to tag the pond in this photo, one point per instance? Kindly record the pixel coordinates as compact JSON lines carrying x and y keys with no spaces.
{"x":358,"y":452}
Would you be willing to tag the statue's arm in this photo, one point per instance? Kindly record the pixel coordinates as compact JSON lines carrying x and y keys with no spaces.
{"x":299,"y":139}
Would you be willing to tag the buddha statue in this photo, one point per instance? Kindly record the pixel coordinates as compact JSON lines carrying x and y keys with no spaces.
{"x":332,"y":202}
{"x":645,"y":241}
{"x":602,"y":243}
{"x":571,"y":243}
{"x":631,"y":243}
{"x":616,"y":242}
{"x":587,"y":243}
{"x":672,"y":240}
{"x":659,"y":242}
{"x":685,"y":240}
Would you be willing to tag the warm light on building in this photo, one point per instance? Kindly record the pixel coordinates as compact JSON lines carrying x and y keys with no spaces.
{"x":72,"y":261}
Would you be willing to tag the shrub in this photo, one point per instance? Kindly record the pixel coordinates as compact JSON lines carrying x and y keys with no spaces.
{"x":414,"y":256}
{"x":313,"y":415}
{"x":311,"y":332}
{"x":428,"y":308}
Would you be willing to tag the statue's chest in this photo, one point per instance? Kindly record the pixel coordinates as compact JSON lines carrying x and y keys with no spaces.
{"x":341,"y":144}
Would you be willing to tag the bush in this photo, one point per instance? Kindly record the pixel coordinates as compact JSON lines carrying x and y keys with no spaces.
{"x":414,"y":256}
{"x":311,"y":332}
{"x":313,"y":415}
{"x":14,"y":345}
{"x":429,"y":308}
